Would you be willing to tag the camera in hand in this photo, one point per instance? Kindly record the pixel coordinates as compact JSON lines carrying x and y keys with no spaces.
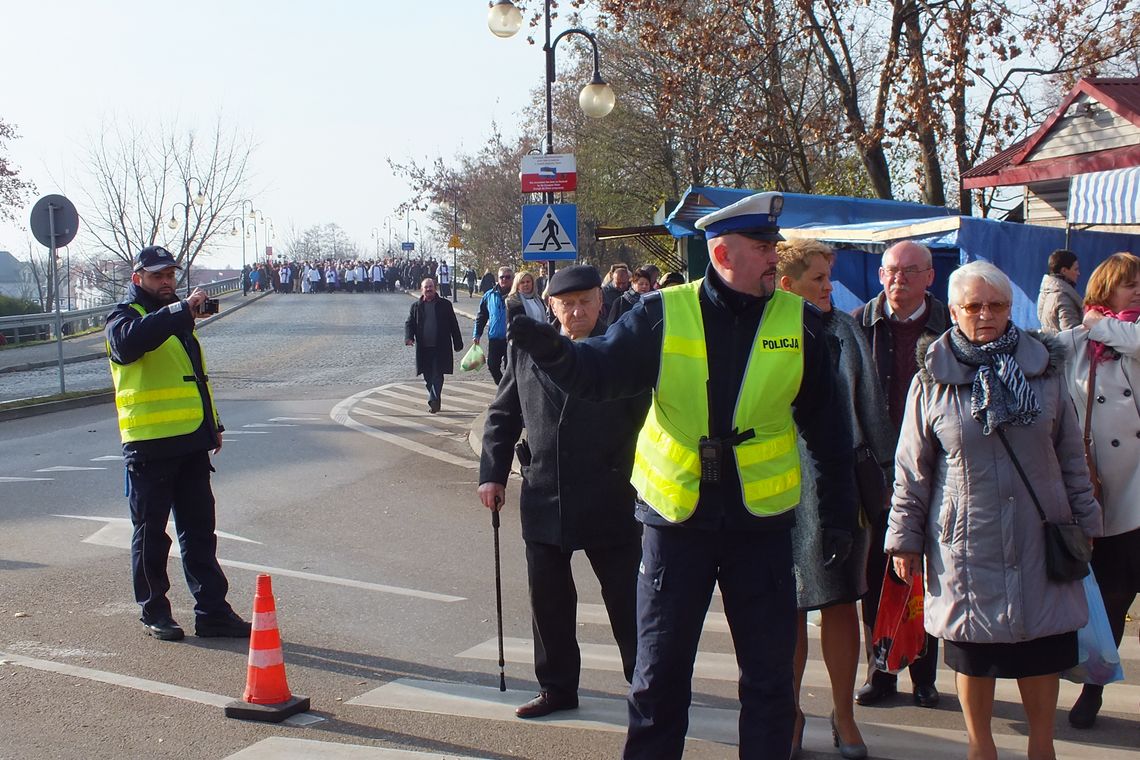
{"x":209,"y":306}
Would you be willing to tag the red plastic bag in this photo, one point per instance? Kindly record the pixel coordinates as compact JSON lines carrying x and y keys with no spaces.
{"x":899,"y":637}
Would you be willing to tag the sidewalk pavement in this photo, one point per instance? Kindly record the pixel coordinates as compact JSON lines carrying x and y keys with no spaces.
{"x":89,"y":346}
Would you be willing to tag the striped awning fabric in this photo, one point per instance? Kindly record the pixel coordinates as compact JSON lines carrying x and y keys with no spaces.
{"x":1111,"y":197}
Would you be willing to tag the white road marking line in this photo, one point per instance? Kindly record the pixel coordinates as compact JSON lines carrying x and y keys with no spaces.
{"x":246,"y":432}
{"x":22,"y":480}
{"x":488,"y":703}
{"x":268,"y":425}
{"x":429,"y":595}
{"x":131,"y":682}
{"x":713,"y":665}
{"x":109,"y":458}
{"x":118,"y":531}
{"x":595,"y":614}
{"x":453,"y":415}
{"x":889,"y":742}
{"x":341,"y":415}
{"x":285,"y":748}
{"x":481,"y":390}
{"x":402,"y":422}
{"x":295,"y":419}
{"x":68,"y":468}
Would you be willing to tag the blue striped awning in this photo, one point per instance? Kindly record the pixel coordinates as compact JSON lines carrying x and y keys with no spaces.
{"x":1111,"y":197}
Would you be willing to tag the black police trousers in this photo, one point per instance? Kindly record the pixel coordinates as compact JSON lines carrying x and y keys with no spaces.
{"x":158,"y":488}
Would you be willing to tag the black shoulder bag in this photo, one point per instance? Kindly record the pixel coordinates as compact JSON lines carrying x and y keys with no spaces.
{"x":1067,"y":550}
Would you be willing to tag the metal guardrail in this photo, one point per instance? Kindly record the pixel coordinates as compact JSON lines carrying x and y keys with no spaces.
{"x":21,"y":328}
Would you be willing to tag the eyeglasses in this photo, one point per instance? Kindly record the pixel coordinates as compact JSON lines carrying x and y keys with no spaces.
{"x":994,"y":308}
{"x":908,"y":271}
{"x":506,"y":277}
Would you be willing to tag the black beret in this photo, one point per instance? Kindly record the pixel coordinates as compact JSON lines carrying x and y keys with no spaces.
{"x":573,"y":278}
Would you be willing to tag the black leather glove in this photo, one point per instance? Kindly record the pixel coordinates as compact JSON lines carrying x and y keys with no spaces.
{"x":538,"y":339}
{"x":836,"y":546}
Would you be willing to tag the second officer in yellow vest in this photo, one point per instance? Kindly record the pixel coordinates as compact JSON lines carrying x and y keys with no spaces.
{"x":735,"y":366}
{"x":169,"y":425}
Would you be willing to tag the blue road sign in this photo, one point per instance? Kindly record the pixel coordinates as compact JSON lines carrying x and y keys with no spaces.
{"x":409,"y":246}
{"x":550,"y":232}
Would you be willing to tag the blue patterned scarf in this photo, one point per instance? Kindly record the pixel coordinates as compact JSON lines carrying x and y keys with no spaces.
{"x":1000,"y":394}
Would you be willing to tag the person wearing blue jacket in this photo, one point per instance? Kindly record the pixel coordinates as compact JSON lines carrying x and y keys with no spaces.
{"x":168,"y":425}
{"x":493,"y":317}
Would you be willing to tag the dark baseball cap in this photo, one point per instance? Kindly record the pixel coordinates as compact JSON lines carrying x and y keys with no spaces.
{"x":155,"y":258}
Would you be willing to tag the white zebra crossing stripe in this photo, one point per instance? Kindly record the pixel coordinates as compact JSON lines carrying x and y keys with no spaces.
{"x":285,"y":748}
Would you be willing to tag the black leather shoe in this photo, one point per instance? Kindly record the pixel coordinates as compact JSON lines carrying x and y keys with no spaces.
{"x":926,"y":696}
{"x":873,"y":693}
{"x":165,"y":630}
{"x":1083,"y":714}
{"x":433,"y":406}
{"x":544,"y":704}
{"x":221,"y":626}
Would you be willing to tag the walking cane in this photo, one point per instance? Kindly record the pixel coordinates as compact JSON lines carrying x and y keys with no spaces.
{"x":499,"y":593}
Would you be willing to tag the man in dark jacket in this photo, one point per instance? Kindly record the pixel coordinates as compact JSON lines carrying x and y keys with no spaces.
{"x":432,"y":328}
{"x":576,"y":495}
{"x":735,"y":368}
{"x":893,"y":323}
{"x":168,"y":424}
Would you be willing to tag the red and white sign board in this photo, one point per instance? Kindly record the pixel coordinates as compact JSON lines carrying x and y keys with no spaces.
{"x":552,"y":173}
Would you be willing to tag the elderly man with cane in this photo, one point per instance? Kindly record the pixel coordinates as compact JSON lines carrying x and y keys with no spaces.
{"x":576,"y":495}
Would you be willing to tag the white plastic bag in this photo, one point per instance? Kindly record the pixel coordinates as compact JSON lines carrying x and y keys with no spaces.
{"x":473,"y":359}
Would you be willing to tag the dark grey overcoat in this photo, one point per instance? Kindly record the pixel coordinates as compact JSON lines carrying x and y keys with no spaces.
{"x":576,"y":492}
{"x":447,"y":332}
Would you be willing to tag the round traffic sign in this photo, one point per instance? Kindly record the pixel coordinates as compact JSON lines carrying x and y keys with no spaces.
{"x":66,"y":220}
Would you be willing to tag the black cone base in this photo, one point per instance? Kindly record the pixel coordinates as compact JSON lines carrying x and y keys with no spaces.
{"x":267,"y":713}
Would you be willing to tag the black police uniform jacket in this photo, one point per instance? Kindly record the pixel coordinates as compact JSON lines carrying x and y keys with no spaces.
{"x":576,"y":492}
{"x":626,"y":361}
{"x":130,"y":335}
{"x":447,"y":335}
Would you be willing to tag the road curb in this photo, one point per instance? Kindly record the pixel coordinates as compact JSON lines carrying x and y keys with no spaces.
{"x":47,"y":407}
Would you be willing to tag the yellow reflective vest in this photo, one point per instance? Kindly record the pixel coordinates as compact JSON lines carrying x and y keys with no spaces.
{"x":666,"y":469}
{"x":157,"y":395}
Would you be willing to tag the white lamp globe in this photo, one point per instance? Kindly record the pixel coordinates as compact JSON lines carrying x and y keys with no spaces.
{"x":504,"y":19}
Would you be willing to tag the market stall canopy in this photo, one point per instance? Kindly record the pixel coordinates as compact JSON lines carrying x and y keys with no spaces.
{"x":800,"y":210}
{"x":1111,"y":197}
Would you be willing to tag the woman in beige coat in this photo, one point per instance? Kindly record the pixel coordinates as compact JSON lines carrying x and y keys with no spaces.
{"x":960,"y":503}
{"x":1111,"y":336}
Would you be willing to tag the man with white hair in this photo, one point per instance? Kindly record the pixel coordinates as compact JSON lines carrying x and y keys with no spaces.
{"x":893,"y":322}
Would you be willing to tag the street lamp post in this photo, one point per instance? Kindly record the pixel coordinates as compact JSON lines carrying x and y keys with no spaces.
{"x":388,"y":226}
{"x":376,"y":237}
{"x":244,"y":234}
{"x":596,"y":99}
{"x":199,"y":201}
{"x":408,"y":222}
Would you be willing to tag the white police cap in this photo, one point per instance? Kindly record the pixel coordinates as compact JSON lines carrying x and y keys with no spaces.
{"x":755,"y":217}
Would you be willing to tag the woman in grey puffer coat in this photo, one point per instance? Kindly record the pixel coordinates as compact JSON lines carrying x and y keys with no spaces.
{"x":960,"y":502}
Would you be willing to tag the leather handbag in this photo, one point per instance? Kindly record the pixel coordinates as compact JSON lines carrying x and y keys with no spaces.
{"x":1067,"y":550}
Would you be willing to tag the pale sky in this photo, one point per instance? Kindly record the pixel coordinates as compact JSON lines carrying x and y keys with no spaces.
{"x":327,"y":91}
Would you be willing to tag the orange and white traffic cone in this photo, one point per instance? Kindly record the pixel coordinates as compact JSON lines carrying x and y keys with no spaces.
{"x":267,"y":696}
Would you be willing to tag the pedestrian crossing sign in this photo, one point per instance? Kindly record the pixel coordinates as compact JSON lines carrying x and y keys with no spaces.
{"x":550,"y":232}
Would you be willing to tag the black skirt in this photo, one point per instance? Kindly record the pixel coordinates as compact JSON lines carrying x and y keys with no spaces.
{"x":1023,"y":659}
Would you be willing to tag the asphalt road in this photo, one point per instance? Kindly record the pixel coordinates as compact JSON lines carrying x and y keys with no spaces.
{"x":335,"y":480}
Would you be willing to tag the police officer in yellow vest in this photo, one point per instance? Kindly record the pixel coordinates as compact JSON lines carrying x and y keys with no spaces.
{"x":169,"y":425}
{"x":735,"y":366}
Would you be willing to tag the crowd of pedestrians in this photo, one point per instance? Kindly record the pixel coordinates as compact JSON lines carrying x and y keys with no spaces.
{"x":379,"y":275}
{"x":929,"y":440}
